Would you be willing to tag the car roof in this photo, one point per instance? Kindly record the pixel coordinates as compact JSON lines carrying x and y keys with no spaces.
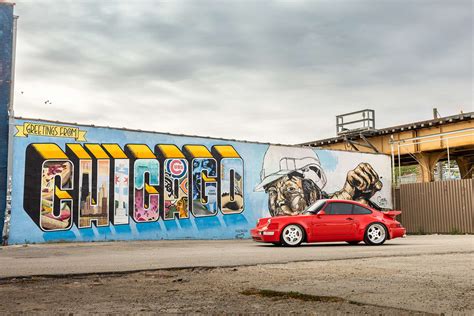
{"x":345,"y":201}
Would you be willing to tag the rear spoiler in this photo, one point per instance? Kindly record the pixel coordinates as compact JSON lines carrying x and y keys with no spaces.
{"x":392,"y":214}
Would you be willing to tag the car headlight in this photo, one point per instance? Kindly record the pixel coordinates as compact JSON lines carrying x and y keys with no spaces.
{"x":267,"y":224}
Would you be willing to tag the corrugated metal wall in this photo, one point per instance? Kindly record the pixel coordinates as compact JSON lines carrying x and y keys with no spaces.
{"x":437,"y":207}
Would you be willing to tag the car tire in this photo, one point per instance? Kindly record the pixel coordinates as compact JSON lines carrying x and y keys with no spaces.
{"x":355,"y":242}
{"x":292,"y":235}
{"x":375,"y":234}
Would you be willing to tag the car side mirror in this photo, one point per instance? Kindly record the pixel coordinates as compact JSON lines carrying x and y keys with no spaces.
{"x":322,"y":212}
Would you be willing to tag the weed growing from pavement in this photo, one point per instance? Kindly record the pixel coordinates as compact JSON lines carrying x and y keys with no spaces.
{"x":293,"y":295}
{"x":420,"y":231}
{"x":455,"y":231}
{"x":276,"y":295}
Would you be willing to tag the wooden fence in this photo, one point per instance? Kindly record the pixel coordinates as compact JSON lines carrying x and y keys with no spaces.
{"x":437,"y":207}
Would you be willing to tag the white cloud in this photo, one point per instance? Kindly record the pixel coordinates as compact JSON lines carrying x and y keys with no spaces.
{"x":269,"y":71}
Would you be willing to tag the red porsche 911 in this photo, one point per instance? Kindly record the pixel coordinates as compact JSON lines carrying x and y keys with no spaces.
{"x":330,"y":220}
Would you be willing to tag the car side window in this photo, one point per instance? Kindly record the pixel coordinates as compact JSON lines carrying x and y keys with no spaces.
{"x":328,"y":208}
{"x":360,"y":210}
{"x":338,"y":209}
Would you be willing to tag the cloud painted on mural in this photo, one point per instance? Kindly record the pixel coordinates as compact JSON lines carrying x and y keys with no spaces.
{"x":265,"y":70}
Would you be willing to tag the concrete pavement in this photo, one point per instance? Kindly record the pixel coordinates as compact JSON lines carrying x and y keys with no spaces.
{"x":84,"y":258}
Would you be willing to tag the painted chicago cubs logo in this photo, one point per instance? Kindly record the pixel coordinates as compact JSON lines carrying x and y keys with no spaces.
{"x":177,"y":167}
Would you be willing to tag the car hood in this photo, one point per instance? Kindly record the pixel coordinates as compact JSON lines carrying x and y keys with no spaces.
{"x":262,"y":221}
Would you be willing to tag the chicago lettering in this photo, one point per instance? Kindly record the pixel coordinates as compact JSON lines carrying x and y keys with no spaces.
{"x":103,"y":184}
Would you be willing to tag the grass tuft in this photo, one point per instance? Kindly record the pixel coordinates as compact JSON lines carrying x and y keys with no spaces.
{"x":292,"y":295}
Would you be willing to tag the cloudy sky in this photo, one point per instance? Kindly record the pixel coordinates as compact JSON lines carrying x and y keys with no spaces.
{"x":272,"y":71}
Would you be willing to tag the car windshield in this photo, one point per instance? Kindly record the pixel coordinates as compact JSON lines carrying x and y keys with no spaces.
{"x":316,"y":207}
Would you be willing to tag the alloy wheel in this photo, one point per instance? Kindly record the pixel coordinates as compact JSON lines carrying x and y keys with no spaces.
{"x":376,"y":234}
{"x":292,"y":235}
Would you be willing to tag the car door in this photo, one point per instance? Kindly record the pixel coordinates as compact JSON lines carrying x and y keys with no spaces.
{"x":336,"y":224}
{"x":362,"y":216}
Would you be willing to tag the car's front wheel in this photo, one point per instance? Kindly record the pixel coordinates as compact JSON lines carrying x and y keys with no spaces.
{"x":292,"y":235}
{"x":375,"y":234}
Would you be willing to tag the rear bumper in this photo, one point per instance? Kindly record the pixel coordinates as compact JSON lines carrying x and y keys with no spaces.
{"x":398,"y":232}
{"x":264,"y":235}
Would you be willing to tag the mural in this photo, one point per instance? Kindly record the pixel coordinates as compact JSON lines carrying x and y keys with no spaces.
{"x":294,"y":179}
{"x":80,"y":183}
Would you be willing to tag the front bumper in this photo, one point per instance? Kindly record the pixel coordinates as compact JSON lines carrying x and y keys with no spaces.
{"x":265,"y":235}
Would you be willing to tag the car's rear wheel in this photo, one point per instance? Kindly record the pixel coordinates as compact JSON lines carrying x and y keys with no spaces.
{"x":292,"y":235}
{"x":375,"y":234}
{"x":353,"y":242}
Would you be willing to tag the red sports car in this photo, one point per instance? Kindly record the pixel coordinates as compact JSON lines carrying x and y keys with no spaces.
{"x":330,"y":220}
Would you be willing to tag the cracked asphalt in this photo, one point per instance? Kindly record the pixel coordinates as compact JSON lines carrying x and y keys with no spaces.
{"x":417,"y":275}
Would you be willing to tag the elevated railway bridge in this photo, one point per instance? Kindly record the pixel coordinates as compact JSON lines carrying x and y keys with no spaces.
{"x":423,"y":143}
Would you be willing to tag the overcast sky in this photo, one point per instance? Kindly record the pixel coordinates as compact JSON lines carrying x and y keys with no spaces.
{"x":272,"y":71}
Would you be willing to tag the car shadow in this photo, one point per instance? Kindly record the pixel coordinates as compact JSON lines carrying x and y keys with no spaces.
{"x":329,"y":245}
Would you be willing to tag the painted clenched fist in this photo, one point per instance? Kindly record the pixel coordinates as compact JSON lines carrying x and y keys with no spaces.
{"x":362,"y":183}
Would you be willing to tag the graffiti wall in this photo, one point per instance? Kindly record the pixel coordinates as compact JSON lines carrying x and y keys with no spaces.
{"x":80,"y":183}
{"x":6,"y":42}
